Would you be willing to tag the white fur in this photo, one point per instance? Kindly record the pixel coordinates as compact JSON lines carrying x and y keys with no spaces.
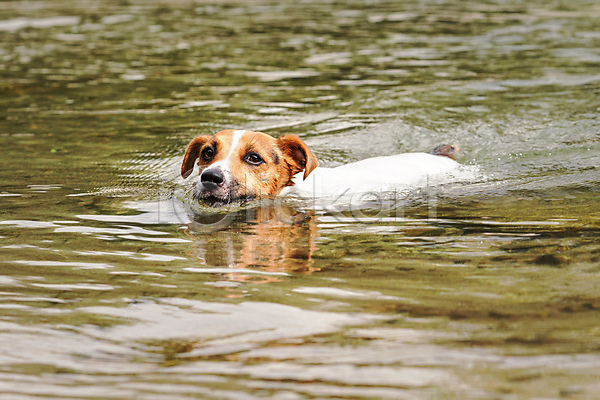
{"x":224,"y":163}
{"x":377,"y":174}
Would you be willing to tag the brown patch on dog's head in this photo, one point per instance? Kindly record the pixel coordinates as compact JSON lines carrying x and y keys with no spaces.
{"x":298,"y":155}
{"x":191,"y":155}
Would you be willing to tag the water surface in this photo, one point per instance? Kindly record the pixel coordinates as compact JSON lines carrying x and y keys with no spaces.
{"x":485,"y":287}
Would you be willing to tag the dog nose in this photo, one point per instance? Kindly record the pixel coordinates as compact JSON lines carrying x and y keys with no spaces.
{"x":214,"y":176}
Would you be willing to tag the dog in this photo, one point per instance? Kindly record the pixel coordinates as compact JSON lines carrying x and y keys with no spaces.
{"x":237,"y":166}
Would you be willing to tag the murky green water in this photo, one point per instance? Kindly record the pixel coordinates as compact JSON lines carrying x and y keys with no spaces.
{"x":487,"y":288}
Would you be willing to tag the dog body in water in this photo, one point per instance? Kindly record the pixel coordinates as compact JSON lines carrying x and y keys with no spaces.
{"x":241,"y":165}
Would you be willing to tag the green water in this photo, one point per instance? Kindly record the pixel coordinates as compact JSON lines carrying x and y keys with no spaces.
{"x":483,"y":288}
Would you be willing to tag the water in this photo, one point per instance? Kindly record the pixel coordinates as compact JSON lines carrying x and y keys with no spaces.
{"x":486,"y":287}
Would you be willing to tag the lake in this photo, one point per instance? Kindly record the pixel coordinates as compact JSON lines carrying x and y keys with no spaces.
{"x":114,"y":284}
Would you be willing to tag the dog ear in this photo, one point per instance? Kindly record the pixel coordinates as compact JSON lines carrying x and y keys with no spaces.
{"x":191,"y":155}
{"x":300,"y":155}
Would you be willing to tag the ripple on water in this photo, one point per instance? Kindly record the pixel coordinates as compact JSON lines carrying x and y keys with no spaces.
{"x":274,"y":76}
{"x":73,"y":264}
{"x":216,"y":324}
{"x":74,"y":286}
{"x":336,"y":58}
{"x":16,"y":24}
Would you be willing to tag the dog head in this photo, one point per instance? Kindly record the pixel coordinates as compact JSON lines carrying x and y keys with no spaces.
{"x":239,"y":165}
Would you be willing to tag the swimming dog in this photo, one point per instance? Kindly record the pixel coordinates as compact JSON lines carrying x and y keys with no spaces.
{"x":242,"y":165}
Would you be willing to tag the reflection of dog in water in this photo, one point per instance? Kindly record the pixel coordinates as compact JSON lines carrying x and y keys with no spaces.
{"x":259,"y":240}
{"x":240,"y":165}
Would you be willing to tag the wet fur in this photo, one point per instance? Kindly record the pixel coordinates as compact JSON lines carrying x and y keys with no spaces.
{"x":283,"y":158}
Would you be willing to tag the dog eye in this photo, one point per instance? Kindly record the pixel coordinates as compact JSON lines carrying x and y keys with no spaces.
{"x":253,"y":159}
{"x":207,"y":154}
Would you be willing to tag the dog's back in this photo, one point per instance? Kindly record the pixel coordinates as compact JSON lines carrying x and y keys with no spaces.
{"x":373,"y":174}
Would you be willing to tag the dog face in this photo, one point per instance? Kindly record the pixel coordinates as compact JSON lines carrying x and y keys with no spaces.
{"x":238,"y":165}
